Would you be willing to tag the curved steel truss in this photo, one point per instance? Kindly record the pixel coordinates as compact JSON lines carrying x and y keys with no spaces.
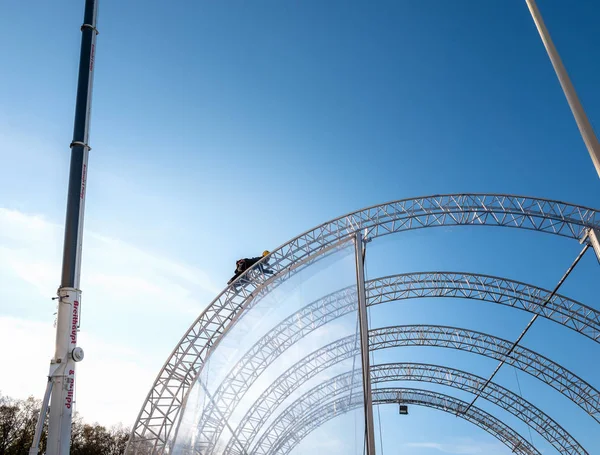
{"x":569,"y":384}
{"x":161,"y":409}
{"x":450,"y":337}
{"x":324,"y":412}
{"x":346,"y":383}
{"x":514,"y":441}
{"x":561,"y":309}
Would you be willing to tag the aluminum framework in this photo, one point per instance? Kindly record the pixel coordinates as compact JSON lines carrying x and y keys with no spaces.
{"x":345,"y":348}
{"x":341,"y":385}
{"x":505,"y":434}
{"x":160,"y":412}
{"x":561,"y":309}
{"x":566,"y":382}
{"x":568,"y":312}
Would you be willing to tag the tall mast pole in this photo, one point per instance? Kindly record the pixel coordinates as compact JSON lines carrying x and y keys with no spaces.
{"x":585,"y":128}
{"x":61,"y":379}
{"x":364,"y":344}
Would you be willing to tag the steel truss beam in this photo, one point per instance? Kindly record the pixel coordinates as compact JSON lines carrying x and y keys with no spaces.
{"x":345,"y":348}
{"x":161,"y":409}
{"x":509,"y":437}
{"x":561,"y":309}
{"x":572,"y":314}
{"x":566,"y":382}
{"x":343,"y":385}
{"x":514,"y":441}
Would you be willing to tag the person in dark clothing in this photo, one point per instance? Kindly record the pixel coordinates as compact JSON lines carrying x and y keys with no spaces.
{"x":242,"y":265}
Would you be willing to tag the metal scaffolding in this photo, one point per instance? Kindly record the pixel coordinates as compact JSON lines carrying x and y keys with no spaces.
{"x":446,"y":403}
{"x":284,"y":426}
{"x":530,"y":362}
{"x":242,"y":375}
{"x":161,"y":412}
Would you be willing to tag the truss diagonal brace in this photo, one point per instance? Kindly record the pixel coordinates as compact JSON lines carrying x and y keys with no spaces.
{"x":533,"y":319}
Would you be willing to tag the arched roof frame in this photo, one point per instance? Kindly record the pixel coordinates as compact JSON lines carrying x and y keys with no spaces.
{"x":560,"y":309}
{"x":160,"y":412}
{"x":344,"y":384}
{"x":574,"y":388}
{"x":427,"y":398}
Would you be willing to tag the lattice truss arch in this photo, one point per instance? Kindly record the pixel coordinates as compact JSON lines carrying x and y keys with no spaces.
{"x":346,"y":383}
{"x":583,"y":394}
{"x":572,"y":314}
{"x":523,"y":296}
{"x":505,"y":434}
{"x":160,"y":412}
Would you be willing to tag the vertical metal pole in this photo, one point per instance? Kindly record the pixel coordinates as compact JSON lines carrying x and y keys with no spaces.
{"x":364,"y":343}
{"x":585,"y":128}
{"x":62,"y":365}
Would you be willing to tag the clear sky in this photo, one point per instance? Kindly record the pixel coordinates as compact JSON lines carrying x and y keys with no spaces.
{"x":220,"y":129}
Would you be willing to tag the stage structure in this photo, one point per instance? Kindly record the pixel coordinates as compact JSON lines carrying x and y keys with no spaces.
{"x":212,"y":399}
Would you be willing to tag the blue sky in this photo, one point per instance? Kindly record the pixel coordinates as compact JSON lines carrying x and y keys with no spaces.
{"x":220,"y":129}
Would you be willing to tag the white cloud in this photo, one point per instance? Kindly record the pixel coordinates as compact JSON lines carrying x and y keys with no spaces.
{"x":109,"y":388}
{"x":122,"y":285}
{"x":31,"y":247}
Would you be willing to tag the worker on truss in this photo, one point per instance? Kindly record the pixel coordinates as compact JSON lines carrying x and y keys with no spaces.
{"x":242,"y":265}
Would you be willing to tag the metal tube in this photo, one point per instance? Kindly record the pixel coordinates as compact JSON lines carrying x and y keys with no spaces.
{"x":71,"y":266}
{"x":35,"y":446}
{"x":62,"y":365}
{"x":585,"y":128}
{"x":364,"y":344}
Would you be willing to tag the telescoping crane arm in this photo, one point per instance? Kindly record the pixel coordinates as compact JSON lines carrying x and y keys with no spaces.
{"x":61,"y":377}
